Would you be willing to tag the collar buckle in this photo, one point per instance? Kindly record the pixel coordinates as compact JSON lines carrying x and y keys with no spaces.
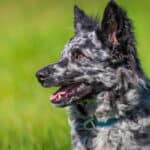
{"x":90,"y":124}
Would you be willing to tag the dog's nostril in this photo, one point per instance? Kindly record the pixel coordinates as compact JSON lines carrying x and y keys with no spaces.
{"x":41,"y":74}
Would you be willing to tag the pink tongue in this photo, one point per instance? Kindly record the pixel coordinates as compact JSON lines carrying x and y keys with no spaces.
{"x":63,"y":92}
{"x":57,"y":95}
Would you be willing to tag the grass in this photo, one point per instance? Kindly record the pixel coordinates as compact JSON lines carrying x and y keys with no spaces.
{"x":32,"y":34}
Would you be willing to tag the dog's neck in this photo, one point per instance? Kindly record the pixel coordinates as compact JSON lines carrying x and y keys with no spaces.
{"x":109,"y":105}
{"x":106,"y":107}
{"x":102,"y":107}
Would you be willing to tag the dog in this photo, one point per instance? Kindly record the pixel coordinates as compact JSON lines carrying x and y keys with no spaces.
{"x":102,"y":83}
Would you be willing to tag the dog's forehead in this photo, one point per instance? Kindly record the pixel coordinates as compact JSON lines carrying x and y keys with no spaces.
{"x":82,"y":40}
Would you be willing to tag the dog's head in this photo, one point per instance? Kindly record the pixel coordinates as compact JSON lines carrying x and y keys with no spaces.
{"x":90,"y":60}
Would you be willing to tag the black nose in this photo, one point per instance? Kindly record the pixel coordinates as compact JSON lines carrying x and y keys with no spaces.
{"x":42,"y":74}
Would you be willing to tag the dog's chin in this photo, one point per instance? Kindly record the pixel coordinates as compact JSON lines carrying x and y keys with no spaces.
{"x":70,"y":94}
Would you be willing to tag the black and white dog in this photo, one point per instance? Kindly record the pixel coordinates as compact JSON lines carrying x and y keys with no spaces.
{"x":102,"y":83}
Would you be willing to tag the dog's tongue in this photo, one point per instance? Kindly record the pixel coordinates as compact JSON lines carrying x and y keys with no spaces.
{"x":57,"y":95}
{"x":64,"y":92}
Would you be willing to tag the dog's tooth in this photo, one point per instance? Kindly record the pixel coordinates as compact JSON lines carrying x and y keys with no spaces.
{"x":82,"y":86}
{"x":59,"y":97}
{"x":62,"y":93}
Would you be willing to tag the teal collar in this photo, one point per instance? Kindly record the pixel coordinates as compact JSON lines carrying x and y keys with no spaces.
{"x":94,"y":123}
{"x":107,"y":123}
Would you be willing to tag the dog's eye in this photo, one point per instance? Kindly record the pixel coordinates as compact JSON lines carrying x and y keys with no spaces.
{"x":78,"y":55}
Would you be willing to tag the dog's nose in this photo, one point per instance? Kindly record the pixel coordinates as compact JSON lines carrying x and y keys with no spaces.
{"x":42,"y":74}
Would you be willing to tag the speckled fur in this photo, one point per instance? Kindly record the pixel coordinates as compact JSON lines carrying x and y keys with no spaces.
{"x":120,"y":88}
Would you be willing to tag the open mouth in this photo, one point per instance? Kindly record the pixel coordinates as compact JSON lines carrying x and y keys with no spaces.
{"x":69,"y":94}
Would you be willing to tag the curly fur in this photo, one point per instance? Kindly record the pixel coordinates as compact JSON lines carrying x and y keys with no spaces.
{"x":120,"y":87}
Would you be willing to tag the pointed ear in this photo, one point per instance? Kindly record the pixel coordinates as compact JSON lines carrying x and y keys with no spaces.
{"x":115,"y":24}
{"x":81,"y":20}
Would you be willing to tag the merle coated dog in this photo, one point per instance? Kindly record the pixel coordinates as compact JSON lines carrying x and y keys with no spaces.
{"x":102,"y":83}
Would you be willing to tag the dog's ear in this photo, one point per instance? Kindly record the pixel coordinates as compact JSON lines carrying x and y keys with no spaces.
{"x":117,"y":34}
{"x":82,"y":21}
{"x":116,"y":26}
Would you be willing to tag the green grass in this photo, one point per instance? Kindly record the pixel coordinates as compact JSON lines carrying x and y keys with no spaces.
{"x":32,"y":34}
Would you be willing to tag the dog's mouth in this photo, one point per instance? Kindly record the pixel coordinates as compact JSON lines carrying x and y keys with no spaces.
{"x":69,"y":94}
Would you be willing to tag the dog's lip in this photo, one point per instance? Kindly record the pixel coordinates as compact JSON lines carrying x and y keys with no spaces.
{"x":68,"y":94}
{"x":63,"y":90}
{"x":46,"y":83}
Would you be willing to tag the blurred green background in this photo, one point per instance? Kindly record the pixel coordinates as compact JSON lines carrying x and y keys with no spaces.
{"x":32,"y":34}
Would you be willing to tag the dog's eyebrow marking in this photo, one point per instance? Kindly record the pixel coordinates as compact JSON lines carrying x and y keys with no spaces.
{"x":94,"y":39}
{"x":63,"y":63}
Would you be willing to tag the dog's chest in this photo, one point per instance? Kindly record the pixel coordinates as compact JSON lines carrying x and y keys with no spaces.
{"x":124,"y":135}
{"x":107,"y":138}
{"x":93,"y":140}
{"x":100,"y":142}
{"x":87,"y":138}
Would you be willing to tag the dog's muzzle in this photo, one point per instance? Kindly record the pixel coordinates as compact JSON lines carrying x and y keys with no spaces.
{"x":68,"y":93}
{"x":45,"y":76}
